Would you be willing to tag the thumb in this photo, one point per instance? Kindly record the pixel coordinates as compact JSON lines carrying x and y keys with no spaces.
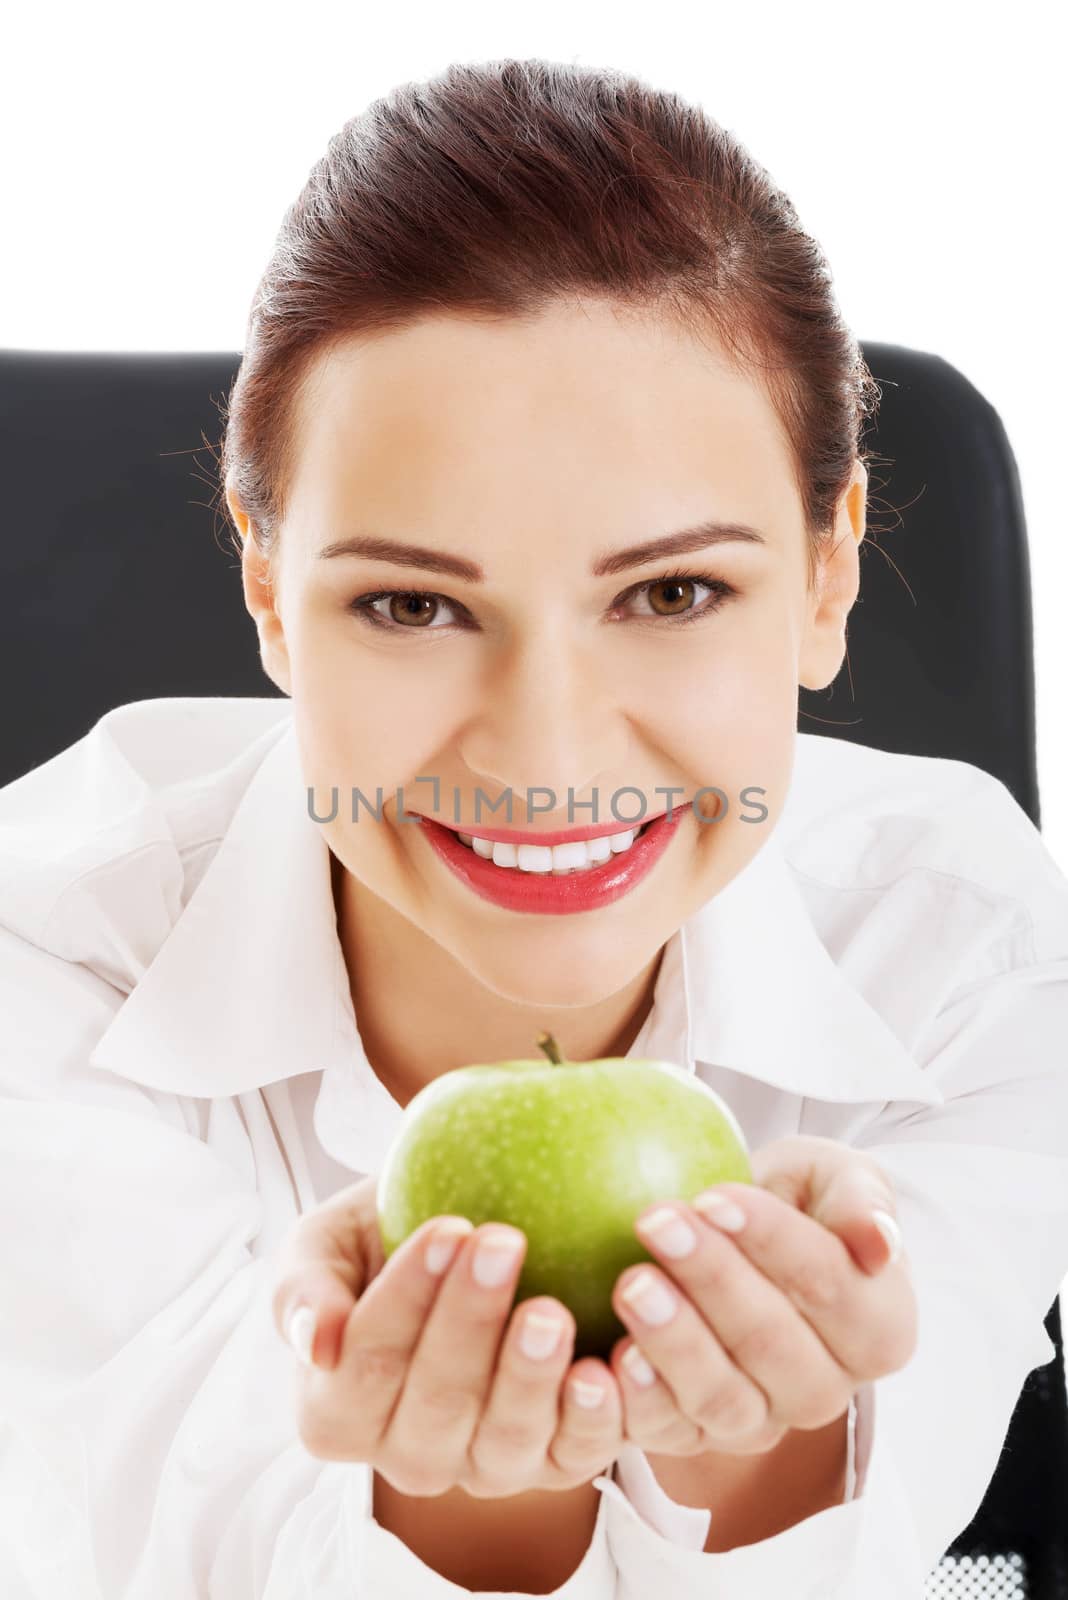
{"x":843,"y":1188}
{"x":857,"y":1203}
{"x":324,"y":1264}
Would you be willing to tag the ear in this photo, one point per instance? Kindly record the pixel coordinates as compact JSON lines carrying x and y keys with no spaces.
{"x":258,"y":582}
{"x":835,"y":589}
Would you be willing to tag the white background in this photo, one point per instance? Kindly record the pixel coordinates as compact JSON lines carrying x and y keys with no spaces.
{"x":149,"y":154}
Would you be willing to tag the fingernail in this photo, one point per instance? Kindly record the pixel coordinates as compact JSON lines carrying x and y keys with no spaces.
{"x":539,"y":1335}
{"x":300,"y":1331}
{"x":587,"y":1395}
{"x":669,"y":1232}
{"x":638,"y":1367}
{"x":888,"y":1227}
{"x":650,"y":1298}
{"x":444,"y":1243}
{"x":495,"y":1257}
{"x":720,"y":1211}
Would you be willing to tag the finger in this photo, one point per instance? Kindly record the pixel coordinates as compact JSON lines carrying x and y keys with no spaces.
{"x":589,"y":1429}
{"x":525,"y":1419}
{"x":859,"y":1205}
{"x":383,"y":1329}
{"x":589,"y":1423}
{"x":704,"y":1383}
{"x":867,"y":1323}
{"x":735,"y":1351}
{"x":651,"y":1416}
{"x":451,"y":1372}
{"x":843,"y":1188}
{"x":325,"y":1261}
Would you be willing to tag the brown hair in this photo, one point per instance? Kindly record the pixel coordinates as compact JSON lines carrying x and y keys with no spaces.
{"x":494,"y":188}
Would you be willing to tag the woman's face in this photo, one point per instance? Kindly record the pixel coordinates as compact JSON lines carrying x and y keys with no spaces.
{"x":532,"y":452}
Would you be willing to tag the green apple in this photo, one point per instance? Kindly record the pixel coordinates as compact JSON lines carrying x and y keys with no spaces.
{"x":571,"y":1153}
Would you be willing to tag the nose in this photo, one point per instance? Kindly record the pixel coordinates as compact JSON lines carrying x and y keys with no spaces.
{"x":548,"y":720}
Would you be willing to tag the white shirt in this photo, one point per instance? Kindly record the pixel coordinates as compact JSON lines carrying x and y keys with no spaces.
{"x":182,"y":1076}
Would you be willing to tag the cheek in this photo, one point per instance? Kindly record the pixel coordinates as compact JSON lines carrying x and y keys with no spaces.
{"x":729,"y":709}
{"x":735,"y":731}
{"x":374,"y":733}
{"x":372,"y":719}
{"x":341,"y":736}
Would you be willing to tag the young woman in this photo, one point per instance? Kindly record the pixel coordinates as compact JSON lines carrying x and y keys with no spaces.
{"x":544,"y":462}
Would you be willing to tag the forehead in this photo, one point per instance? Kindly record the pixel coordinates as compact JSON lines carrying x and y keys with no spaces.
{"x":582,"y":400}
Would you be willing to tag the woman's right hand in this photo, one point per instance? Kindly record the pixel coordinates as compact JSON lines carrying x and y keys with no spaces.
{"x":421,"y":1376}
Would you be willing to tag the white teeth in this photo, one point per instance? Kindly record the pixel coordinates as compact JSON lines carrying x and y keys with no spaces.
{"x":574,"y":854}
{"x":579,"y":855}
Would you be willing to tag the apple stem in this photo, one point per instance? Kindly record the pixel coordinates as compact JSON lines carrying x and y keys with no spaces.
{"x":547,"y":1043}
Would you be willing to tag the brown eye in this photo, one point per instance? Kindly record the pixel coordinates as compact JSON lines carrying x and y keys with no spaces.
{"x":679,"y":593}
{"x":412,"y":608}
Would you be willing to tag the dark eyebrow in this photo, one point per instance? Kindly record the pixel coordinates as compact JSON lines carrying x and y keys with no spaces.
{"x":685,"y":542}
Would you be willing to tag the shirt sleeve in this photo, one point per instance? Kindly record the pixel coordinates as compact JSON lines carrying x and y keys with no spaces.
{"x":148,"y":1424}
{"x":689,"y":1525}
{"x":981,"y":1183}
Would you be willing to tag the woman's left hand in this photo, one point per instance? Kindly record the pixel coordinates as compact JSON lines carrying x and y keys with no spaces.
{"x":776,"y":1326}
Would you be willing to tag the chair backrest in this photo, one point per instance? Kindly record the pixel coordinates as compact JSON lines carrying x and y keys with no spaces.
{"x":120,"y":584}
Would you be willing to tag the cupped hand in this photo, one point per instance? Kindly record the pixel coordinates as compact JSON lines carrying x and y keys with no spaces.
{"x":422,"y":1375}
{"x":775,"y":1326}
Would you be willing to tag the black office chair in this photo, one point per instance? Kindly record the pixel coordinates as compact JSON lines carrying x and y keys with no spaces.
{"x":120,"y":584}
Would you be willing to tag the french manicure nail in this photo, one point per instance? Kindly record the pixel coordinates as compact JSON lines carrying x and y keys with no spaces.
{"x":888,"y":1227}
{"x":669,"y":1232}
{"x":638,"y":1367}
{"x":300,"y":1331}
{"x":650,"y":1298}
{"x":444,"y":1243}
{"x":495,"y":1257}
{"x":587,"y":1395}
{"x":720,"y":1211}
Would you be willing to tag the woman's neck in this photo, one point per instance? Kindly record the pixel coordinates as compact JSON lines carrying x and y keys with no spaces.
{"x":421,"y":1013}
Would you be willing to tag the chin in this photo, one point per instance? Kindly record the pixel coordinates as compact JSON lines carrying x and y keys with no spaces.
{"x":564,"y":981}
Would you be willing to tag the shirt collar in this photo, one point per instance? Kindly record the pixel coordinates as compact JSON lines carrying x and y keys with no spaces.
{"x":763,"y":997}
{"x":250,"y":986}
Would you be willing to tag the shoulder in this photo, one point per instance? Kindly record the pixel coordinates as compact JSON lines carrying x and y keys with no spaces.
{"x":101,"y":846}
{"x":930,"y":832}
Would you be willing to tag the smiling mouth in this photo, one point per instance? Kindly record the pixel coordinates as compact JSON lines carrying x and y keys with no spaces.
{"x":558,"y":861}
